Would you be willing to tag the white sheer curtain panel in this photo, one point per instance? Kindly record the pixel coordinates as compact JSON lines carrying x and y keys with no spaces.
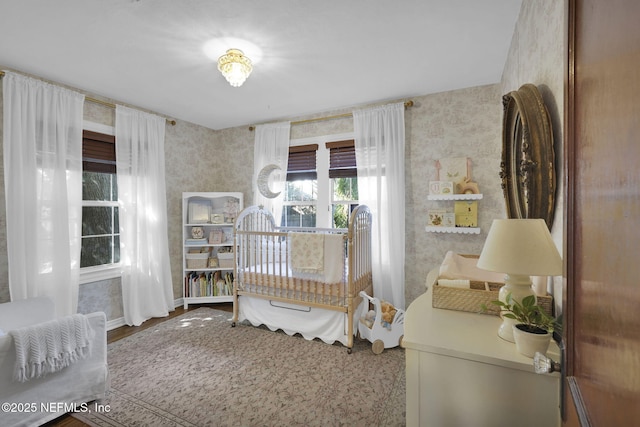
{"x":379,"y":144}
{"x":42,"y":141}
{"x":271,"y":148}
{"x":147,"y":290}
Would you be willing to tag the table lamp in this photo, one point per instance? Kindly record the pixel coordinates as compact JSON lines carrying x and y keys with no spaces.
{"x":519,"y":248}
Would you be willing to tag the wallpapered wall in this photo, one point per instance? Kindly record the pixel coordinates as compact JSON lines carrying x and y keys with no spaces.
{"x":538,"y":55}
{"x":461,"y":123}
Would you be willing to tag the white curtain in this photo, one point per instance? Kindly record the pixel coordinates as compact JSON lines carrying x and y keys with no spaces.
{"x":43,"y":189}
{"x":271,"y":148}
{"x":379,"y":144}
{"x":144,"y":246}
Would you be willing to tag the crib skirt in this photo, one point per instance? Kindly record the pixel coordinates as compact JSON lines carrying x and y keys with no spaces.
{"x":310,"y":322}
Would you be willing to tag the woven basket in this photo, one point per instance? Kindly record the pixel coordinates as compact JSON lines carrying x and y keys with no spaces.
{"x":197,"y":260}
{"x":471,"y":300}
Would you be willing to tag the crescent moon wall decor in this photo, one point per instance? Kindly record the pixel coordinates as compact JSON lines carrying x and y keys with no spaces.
{"x":263,"y":181}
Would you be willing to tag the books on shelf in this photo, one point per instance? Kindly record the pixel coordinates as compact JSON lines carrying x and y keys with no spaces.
{"x":195,"y":242}
{"x":466,"y":213}
{"x":208,"y":284}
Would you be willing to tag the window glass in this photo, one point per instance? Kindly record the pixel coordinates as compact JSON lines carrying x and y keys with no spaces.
{"x":100,"y":226}
{"x":300,"y":200}
{"x":99,"y":186}
{"x":344,"y":198}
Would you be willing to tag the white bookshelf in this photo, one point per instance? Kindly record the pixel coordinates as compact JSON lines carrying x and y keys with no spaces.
{"x":207,"y":238}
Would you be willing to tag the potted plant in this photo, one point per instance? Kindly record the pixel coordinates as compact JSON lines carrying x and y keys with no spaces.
{"x":532,"y":332}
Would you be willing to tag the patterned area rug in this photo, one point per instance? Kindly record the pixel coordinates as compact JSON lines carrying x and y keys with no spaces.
{"x":196,"y":370}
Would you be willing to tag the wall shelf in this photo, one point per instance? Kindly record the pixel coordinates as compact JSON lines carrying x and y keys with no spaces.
{"x":454,"y":197}
{"x":458,"y":230}
{"x":455,"y":230}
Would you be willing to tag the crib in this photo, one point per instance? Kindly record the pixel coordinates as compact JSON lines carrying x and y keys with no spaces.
{"x":302,"y":280}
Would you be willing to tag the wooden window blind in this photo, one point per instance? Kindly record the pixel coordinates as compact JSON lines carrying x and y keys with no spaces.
{"x":302,"y":162}
{"x":98,"y":152}
{"x":342,"y":159}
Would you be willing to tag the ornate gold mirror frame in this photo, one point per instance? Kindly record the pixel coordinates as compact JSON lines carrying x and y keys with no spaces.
{"x":527,"y":169}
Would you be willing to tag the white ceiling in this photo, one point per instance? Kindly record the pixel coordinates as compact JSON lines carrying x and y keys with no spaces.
{"x":310,"y":56}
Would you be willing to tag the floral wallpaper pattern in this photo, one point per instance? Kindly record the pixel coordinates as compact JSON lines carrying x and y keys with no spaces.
{"x":538,"y":55}
{"x":460,"y":123}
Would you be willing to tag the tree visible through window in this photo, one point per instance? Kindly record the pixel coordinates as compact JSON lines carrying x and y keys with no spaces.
{"x":344,"y":200}
{"x":100,"y":227}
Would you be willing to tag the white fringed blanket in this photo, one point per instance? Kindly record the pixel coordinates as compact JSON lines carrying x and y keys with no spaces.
{"x":51,"y":346}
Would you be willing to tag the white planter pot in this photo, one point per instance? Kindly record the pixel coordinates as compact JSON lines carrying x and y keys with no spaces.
{"x":528,"y":343}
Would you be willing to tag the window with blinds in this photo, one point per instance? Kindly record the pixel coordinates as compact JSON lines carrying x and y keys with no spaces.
{"x":322,"y":184}
{"x":98,"y":152}
{"x":342,"y":159}
{"x":302,"y":162}
{"x":100,"y":218}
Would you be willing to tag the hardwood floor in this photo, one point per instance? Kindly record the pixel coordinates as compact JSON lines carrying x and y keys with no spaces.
{"x":125,"y":331}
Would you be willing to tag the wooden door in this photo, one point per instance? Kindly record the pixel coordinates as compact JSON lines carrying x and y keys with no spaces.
{"x":602,"y":215}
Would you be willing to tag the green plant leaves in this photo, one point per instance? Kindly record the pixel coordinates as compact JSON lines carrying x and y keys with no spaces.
{"x":526,"y":312}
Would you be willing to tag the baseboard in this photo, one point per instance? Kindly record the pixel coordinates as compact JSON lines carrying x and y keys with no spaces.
{"x":116,"y":323}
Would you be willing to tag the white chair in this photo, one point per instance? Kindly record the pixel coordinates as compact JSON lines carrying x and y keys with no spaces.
{"x":40,"y":400}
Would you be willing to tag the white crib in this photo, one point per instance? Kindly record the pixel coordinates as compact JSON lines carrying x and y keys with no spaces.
{"x":269,"y":290}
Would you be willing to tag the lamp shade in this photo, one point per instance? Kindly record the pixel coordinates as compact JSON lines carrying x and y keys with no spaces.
{"x":520,"y":247}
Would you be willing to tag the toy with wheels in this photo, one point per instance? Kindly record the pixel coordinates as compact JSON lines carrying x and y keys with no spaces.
{"x":383,"y":326}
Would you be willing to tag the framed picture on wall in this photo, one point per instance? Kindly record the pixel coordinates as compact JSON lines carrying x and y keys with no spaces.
{"x":454,"y":169}
{"x":436,"y":217}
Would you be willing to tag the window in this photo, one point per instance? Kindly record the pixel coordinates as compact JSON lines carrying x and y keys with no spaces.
{"x":100,"y":228}
{"x":343,"y":175}
{"x":322,"y":187}
{"x":301,"y":190}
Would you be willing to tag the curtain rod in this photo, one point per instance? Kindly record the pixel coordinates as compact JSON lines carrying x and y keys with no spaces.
{"x":101,"y":102}
{"x":407,"y":104}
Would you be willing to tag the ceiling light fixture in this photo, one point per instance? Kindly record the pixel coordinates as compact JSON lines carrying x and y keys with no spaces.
{"x":235,"y":67}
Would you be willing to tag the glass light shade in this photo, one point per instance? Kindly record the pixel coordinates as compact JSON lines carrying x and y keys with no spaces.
{"x":520,"y":247}
{"x":235,"y":67}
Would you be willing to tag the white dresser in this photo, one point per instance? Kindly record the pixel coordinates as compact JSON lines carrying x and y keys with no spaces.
{"x":460,"y":373}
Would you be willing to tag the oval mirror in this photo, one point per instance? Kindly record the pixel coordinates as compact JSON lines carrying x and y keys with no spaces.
{"x":527,"y":169}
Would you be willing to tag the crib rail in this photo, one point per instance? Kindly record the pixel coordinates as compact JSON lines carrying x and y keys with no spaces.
{"x":359,"y":251}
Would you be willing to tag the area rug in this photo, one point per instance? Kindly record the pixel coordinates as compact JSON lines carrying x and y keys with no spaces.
{"x":197,"y":370}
